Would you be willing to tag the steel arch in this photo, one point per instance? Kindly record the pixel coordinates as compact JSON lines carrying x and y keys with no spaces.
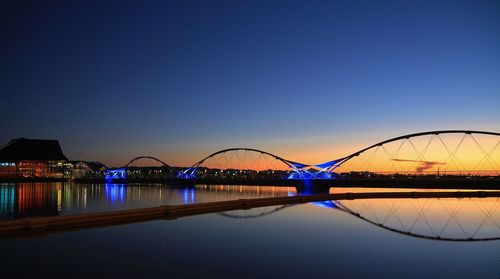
{"x":121,"y":172}
{"x":146,"y":157}
{"x":332,"y":165}
{"x":294,"y":166}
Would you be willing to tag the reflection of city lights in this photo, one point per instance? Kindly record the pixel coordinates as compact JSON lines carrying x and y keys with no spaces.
{"x":7,"y":199}
{"x":115,"y":192}
{"x":59,"y":199}
{"x":188,"y":196}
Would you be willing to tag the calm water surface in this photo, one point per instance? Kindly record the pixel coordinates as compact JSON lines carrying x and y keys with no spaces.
{"x":384,"y":238}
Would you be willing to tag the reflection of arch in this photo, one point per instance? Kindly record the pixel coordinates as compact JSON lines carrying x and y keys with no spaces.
{"x":332,"y":165}
{"x":242,"y":214}
{"x":235,"y":215}
{"x":147,"y":157}
{"x":294,"y":166}
{"x":344,"y":208}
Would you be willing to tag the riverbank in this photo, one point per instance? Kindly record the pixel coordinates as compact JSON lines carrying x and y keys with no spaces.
{"x":486,"y":183}
{"x":41,"y":226}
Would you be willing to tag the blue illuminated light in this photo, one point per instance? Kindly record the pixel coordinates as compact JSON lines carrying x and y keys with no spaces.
{"x":298,"y":171}
{"x":115,"y":192}
{"x":325,"y":204}
{"x":327,"y":165}
{"x":297,"y":165}
{"x":120,"y":173}
{"x":185,"y":196}
{"x":188,"y":196}
{"x":304,"y":174}
{"x":189,"y":173}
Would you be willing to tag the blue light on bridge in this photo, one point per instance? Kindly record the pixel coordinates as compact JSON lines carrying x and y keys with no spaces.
{"x":120,"y":173}
{"x":304,"y":175}
{"x":187,"y":174}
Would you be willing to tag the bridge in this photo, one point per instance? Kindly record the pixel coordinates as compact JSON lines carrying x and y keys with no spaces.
{"x":122,"y":173}
{"x":434,"y":154}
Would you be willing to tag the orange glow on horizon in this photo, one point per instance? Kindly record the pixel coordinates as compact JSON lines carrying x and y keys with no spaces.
{"x":446,"y":154}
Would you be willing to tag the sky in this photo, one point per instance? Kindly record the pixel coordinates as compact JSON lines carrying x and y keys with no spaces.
{"x":306,"y":80}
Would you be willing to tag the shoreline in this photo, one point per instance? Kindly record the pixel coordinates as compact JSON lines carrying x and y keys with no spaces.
{"x":43,"y":226}
{"x":487,"y":183}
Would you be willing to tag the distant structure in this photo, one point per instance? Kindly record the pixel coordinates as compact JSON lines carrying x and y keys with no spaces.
{"x":431,"y":154}
{"x":33,"y":158}
{"x":84,"y":169}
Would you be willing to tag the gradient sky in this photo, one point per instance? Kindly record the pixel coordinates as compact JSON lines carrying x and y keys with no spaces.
{"x":307,"y":80}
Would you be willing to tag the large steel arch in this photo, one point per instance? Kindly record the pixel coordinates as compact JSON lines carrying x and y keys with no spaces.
{"x":147,"y":157}
{"x":330,"y":166}
{"x":121,"y":172}
{"x":293,"y":166}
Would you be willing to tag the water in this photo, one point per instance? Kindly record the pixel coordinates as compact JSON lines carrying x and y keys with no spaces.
{"x":390,"y":238}
{"x":49,"y":199}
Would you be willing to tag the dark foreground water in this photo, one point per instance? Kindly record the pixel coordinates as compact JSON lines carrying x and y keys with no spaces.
{"x":385,"y":238}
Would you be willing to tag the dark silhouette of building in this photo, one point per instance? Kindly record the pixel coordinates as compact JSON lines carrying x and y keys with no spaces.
{"x":32,"y":158}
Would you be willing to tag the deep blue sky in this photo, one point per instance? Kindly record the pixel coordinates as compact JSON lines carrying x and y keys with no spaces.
{"x":179,"y":79}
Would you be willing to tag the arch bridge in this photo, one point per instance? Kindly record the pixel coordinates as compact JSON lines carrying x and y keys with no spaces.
{"x":242,"y":162}
{"x":437,"y":153}
{"x":124,"y":171}
{"x":432,"y":153}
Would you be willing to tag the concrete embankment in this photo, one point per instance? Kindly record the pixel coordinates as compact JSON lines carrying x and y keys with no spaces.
{"x":31,"y":227}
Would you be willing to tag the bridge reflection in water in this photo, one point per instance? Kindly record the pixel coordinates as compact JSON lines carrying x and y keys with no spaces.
{"x":450,"y":219}
{"x":455,"y":219}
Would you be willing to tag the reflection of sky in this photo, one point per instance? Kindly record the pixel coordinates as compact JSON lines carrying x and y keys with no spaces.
{"x":451,"y":218}
{"x":300,"y":241}
{"x":102,"y":197}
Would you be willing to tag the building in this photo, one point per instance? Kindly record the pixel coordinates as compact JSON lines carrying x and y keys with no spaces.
{"x":84,"y":169}
{"x":32,"y":158}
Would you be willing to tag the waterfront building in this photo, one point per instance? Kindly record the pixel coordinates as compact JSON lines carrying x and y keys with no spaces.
{"x":33,"y":158}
